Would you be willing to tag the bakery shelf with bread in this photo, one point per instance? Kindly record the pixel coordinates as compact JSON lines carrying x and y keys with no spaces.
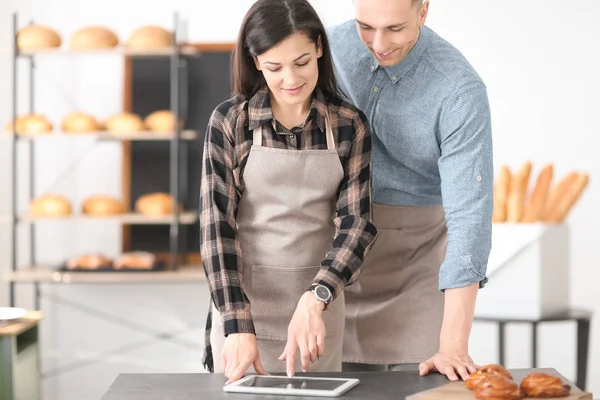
{"x":520,"y":197}
{"x":164,"y":126}
{"x":185,"y":218}
{"x":134,"y":261}
{"x":47,"y":273}
{"x":151,"y":208}
{"x":158,"y":125}
{"x":143,"y":41}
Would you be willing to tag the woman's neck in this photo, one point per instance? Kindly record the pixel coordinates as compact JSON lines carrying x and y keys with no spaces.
{"x":290,"y":115}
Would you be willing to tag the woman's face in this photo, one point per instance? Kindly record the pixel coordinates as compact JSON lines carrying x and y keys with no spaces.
{"x":290,"y":68}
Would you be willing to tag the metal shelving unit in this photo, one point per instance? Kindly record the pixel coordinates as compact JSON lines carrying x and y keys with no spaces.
{"x":178,"y":139}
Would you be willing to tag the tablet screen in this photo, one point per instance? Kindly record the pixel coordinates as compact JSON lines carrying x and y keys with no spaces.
{"x":296,"y":383}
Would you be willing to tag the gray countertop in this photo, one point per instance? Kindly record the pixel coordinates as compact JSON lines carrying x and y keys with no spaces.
{"x":373,"y":386}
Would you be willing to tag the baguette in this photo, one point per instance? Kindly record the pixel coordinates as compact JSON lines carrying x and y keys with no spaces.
{"x":559,"y":191}
{"x":501,"y":193}
{"x":537,"y":202}
{"x":518,"y":189}
{"x":566,"y":202}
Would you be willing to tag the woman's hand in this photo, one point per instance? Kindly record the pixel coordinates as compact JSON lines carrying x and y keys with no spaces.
{"x":239,"y":352}
{"x":306,"y":332}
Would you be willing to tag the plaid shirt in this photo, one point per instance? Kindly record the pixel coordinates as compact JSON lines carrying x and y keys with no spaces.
{"x":227,"y":146}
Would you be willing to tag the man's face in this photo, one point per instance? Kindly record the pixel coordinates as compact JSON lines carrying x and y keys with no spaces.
{"x":389,"y":28}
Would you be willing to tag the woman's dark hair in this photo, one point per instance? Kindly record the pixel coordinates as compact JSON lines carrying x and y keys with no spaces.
{"x":267,"y":23}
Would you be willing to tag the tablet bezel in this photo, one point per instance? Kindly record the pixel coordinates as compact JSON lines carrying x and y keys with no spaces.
{"x":236,"y":387}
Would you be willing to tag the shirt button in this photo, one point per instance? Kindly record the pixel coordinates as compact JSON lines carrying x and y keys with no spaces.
{"x":478,"y":178}
{"x":291,"y":135}
{"x":372,"y":68}
{"x":394,"y":78}
{"x":376,"y":89}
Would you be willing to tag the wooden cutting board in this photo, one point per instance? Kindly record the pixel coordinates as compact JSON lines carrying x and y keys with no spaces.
{"x":459,"y":390}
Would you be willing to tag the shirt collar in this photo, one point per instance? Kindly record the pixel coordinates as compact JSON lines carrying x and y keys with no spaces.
{"x":260,"y":111}
{"x":396,"y":72}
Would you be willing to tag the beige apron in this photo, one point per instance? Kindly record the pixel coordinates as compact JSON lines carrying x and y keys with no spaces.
{"x":285,"y":227}
{"x":394,"y":312}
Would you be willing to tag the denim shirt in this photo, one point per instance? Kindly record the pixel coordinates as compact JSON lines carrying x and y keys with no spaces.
{"x":432,"y":140}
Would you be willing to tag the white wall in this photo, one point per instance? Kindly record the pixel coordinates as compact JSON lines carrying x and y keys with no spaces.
{"x":539,"y":59}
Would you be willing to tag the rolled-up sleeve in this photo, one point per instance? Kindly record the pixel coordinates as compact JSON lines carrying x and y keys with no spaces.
{"x":467,"y":182}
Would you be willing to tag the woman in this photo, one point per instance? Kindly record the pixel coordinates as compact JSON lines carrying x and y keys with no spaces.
{"x":285,"y":200}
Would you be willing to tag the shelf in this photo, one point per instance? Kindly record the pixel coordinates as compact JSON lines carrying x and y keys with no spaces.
{"x":184,"y":50}
{"x":103,"y":135}
{"x":47,"y":274}
{"x":185,"y":218}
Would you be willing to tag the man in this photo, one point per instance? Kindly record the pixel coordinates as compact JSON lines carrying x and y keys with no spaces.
{"x":413,"y":305}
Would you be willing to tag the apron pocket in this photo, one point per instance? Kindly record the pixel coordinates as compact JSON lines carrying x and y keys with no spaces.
{"x":274,"y":294}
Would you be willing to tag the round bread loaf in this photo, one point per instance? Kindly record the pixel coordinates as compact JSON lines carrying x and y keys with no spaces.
{"x":161,"y":121}
{"x":93,"y":37}
{"x":102,"y":205}
{"x":135,"y":260}
{"x":149,"y":37}
{"x":155,"y":204}
{"x":78,"y":122}
{"x":124,"y":123}
{"x":50,"y":205}
{"x":88,"y":261}
{"x":31,"y":124}
{"x":37,"y":37}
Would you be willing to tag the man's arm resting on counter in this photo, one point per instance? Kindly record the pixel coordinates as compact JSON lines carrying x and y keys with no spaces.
{"x":466,"y":172}
{"x":459,"y":309}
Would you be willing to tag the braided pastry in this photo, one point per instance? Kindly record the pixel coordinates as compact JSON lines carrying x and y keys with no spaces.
{"x":539,"y":384}
{"x":482,"y":372}
{"x":498,"y":387}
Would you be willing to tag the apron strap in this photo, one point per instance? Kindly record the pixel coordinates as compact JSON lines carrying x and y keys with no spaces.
{"x":257,"y":139}
{"x":329,"y":133}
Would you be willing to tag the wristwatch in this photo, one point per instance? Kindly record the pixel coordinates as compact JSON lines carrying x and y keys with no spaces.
{"x":322,"y":293}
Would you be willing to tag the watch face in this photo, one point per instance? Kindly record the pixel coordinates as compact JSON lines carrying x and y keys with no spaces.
{"x":322,"y":292}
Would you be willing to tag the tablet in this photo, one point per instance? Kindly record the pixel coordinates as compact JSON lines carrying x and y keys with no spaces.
{"x":295,"y":386}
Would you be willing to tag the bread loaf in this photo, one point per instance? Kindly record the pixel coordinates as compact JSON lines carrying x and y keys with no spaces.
{"x":50,"y":205}
{"x":124,"y":123}
{"x":88,"y":261}
{"x":149,"y":37}
{"x":93,"y":37}
{"x":537,"y":201}
{"x":545,"y":203}
{"x":566,"y":197}
{"x":155,"y":204}
{"x":78,"y":122}
{"x":161,"y":121}
{"x":102,"y":205}
{"x":37,"y":37}
{"x":501,"y":193}
{"x":135,"y":260}
{"x":556,"y":194}
{"x":31,"y":124}
{"x":518,"y":191}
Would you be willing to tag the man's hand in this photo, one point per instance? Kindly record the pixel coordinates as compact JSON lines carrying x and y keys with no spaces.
{"x":306,"y":331}
{"x":453,"y":355}
{"x":449,"y":364}
{"x":239,"y":352}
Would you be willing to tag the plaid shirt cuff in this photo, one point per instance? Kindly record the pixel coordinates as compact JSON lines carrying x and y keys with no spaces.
{"x":328,"y":278}
{"x":238,"y":321}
